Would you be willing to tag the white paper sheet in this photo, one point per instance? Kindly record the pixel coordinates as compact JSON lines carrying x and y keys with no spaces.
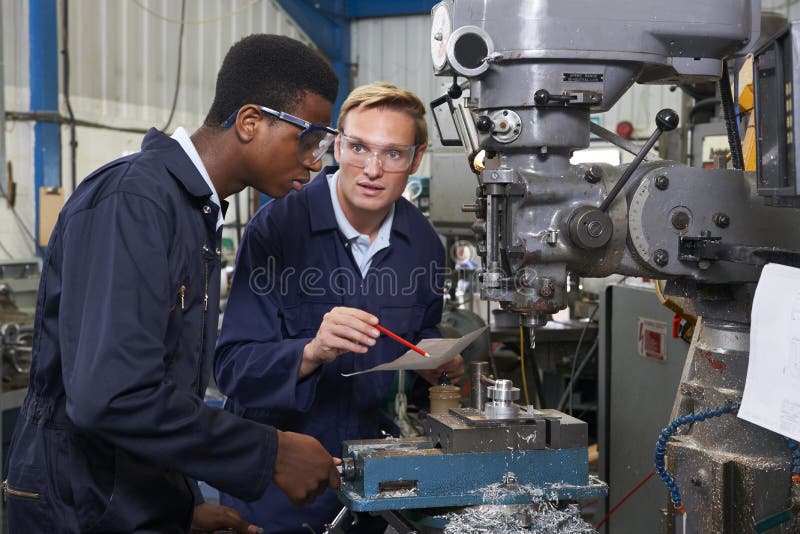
{"x":772,"y":391}
{"x":441,"y":351}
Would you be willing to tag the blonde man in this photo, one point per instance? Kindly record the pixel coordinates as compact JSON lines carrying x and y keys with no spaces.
{"x":316,"y":271}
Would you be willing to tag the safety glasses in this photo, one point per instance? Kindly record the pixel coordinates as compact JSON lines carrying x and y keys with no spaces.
{"x":391,"y":158}
{"x":312,"y":142}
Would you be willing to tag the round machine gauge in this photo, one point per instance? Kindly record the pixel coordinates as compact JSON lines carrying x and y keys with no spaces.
{"x":441,"y":28}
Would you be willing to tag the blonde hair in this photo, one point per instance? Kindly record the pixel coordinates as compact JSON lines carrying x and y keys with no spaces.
{"x":386,"y":95}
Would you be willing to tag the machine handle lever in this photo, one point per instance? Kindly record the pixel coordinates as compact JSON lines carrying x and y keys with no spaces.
{"x":666,"y":120}
{"x":543,"y":97}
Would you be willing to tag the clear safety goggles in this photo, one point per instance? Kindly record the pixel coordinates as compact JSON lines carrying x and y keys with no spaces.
{"x":312,"y":142}
{"x":391,"y":158}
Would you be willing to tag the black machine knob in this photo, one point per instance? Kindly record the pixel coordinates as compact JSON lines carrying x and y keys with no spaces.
{"x":484,"y":124}
{"x":541,"y":97}
{"x":454,"y":91}
{"x":667,"y":120}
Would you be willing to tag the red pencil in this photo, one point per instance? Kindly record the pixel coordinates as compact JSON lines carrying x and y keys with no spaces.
{"x":401,"y":340}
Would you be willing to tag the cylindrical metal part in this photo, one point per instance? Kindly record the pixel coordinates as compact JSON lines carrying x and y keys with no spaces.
{"x":478,"y":371}
{"x":532,"y":320}
{"x":491,"y":276}
{"x":348,"y":469}
{"x":502,"y":390}
{"x":502,"y":406}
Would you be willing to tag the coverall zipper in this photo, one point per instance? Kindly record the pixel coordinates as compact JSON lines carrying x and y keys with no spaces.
{"x":203,"y":328}
{"x":7,"y":490}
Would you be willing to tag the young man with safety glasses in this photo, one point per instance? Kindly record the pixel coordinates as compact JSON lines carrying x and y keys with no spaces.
{"x":304,"y":302}
{"x":114,"y":432}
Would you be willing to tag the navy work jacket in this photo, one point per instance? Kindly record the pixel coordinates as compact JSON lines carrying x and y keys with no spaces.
{"x":294,"y":265}
{"x":114,"y":429}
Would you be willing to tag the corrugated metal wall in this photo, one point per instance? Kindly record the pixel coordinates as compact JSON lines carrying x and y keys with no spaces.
{"x":124,"y":54}
{"x":19,"y":135}
{"x":123,"y":61}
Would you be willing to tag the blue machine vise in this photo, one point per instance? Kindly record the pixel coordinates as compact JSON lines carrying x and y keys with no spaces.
{"x":467,"y":459}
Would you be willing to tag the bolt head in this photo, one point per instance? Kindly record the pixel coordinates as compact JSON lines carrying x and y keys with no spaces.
{"x":661,"y":257}
{"x":593,"y":174}
{"x":594,"y":228}
{"x":722,"y":220}
{"x":662,"y":182}
{"x":680,"y":220}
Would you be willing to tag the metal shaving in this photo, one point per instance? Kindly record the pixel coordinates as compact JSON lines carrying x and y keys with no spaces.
{"x":541,"y":515}
{"x":395,"y":494}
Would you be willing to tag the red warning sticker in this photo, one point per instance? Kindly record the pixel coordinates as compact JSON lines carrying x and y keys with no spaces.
{"x":653,"y":339}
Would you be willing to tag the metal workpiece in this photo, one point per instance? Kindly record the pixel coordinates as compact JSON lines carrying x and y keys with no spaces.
{"x":501,"y":405}
{"x":502,"y":390}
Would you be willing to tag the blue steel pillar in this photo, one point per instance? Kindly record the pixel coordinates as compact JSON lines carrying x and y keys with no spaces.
{"x":43,"y":65}
{"x":326,"y":24}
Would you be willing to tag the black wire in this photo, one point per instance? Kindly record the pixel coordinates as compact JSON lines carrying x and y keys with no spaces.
{"x":180,"y":62}
{"x":575,"y":358}
{"x":73,"y":142}
{"x":5,"y":250}
{"x":22,"y":224}
{"x":575,"y":375}
{"x":731,"y":124}
{"x":701,"y":105}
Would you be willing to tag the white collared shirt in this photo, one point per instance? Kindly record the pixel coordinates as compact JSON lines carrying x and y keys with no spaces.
{"x":363,"y":250}
{"x":182,"y":137}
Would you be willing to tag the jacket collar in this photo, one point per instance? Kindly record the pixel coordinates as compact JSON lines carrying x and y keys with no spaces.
{"x":179,"y":164}
{"x":322,"y":217}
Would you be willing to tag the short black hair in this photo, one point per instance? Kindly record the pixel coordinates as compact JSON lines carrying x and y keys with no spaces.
{"x":273,"y":71}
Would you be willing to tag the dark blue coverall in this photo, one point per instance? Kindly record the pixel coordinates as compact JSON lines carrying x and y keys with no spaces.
{"x":293,"y":267}
{"x":114,"y":429}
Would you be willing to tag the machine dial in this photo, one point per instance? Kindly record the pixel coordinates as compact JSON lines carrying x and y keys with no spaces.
{"x":441,"y":28}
